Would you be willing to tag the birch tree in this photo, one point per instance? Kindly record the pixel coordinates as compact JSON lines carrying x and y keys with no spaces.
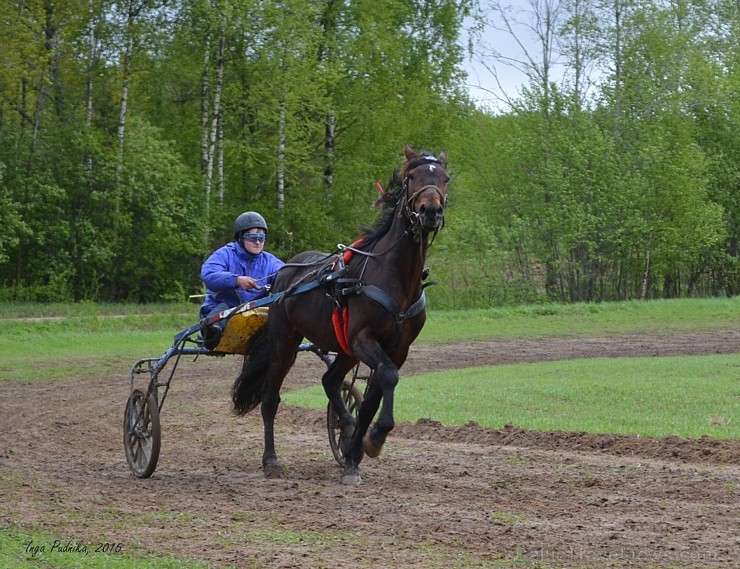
{"x":534,"y":31}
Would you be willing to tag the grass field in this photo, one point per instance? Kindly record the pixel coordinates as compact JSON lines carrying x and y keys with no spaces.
{"x":23,"y":549}
{"x":583,"y":320}
{"x":688,"y":397}
{"x":49,"y":342}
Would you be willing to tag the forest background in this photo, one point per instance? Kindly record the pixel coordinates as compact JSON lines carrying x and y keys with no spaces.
{"x":133,"y":132}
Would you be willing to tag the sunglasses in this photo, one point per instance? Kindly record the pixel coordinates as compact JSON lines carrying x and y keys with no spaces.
{"x":254,"y":237}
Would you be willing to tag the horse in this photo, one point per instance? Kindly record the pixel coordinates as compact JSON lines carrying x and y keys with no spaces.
{"x":366,"y":304}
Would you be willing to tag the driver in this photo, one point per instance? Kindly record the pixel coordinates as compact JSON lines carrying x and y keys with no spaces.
{"x":238,"y":272}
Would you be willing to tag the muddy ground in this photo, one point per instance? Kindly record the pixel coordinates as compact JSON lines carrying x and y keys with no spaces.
{"x":437,"y":497}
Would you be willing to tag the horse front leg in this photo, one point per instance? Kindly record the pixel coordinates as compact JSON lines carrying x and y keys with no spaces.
{"x":381,"y":387}
{"x":374,"y":439}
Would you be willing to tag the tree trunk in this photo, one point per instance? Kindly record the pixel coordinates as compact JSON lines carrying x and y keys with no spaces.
{"x":617,"y":12}
{"x":92,"y":59}
{"x":329,"y":157}
{"x":217,"y":118}
{"x":221,"y":177}
{"x":51,"y":43}
{"x":205,"y":94}
{"x":281,"y":161}
{"x":213,"y":137}
{"x":91,"y":66}
{"x":645,"y":276}
{"x":325,"y":56}
{"x":126,"y":71}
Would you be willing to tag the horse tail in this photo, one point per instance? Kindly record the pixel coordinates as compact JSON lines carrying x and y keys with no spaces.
{"x":246,"y":393}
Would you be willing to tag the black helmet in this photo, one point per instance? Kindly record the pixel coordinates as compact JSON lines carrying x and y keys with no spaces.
{"x":248,"y":220}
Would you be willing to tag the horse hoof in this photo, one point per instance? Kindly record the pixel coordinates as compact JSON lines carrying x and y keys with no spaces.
{"x":351,"y":479}
{"x":370,"y":447}
{"x":272,"y":471}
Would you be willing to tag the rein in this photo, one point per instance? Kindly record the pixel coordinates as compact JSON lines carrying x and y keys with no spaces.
{"x":345,"y":248}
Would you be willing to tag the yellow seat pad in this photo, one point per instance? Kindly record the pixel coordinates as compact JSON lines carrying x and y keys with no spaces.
{"x":239,"y":332}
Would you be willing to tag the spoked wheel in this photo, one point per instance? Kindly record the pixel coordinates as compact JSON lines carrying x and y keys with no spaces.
{"x":142,"y":437}
{"x":352,"y":398}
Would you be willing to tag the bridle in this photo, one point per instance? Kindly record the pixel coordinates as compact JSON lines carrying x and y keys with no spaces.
{"x":408,"y":210}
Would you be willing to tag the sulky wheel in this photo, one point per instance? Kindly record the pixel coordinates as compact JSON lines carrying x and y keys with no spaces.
{"x":141,"y":434}
{"x":352,"y":398}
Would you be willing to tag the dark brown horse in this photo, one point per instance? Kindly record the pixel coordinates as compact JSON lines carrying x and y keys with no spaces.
{"x":379,"y":295}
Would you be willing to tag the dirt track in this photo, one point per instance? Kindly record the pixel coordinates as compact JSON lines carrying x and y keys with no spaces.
{"x":437,"y":497}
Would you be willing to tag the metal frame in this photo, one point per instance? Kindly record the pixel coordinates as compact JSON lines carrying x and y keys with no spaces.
{"x":189,"y":342}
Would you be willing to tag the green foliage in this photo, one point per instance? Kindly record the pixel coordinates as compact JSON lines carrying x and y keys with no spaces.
{"x":11,"y":224}
{"x":160,"y":234}
{"x":624,"y":187}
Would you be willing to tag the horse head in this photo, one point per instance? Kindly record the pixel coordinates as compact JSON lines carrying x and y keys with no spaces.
{"x":425,"y":187}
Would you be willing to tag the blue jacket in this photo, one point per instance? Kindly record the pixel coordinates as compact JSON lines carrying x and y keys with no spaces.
{"x":221,"y":269}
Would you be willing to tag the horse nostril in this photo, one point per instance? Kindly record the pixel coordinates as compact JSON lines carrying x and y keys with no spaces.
{"x":435,"y":210}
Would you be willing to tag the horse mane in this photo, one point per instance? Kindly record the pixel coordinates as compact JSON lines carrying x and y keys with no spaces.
{"x":389,"y":200}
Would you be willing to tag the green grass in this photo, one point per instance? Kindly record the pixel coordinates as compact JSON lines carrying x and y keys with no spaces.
{"x":20,"y":549}
{"x":563,"y":320}
{"x":48,"y":342}
{"x":26,"y":310}
{"x":583,"y":320}
{"x":689,"y":397}
{"x":676,"y":394}
{"x":82,"y":346}
{"x":75,"y":354}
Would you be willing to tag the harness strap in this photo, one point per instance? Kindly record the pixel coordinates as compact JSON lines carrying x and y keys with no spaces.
{"x":340,"y":316}
{"x":388,"y":302}
{"x":417,"y":307}
{"x":349,"y":250}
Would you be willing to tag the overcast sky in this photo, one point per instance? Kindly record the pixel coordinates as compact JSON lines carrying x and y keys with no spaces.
{"x":482,"y":84}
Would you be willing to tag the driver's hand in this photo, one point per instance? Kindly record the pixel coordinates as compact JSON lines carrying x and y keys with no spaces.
{"x":246,"y":282}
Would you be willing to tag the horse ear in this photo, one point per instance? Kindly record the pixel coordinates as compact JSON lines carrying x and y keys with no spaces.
{"x":443,"y":158}
{"x":408,"y":153}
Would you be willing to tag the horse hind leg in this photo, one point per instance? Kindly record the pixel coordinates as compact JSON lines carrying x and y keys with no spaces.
{"x":332,"y":382}
{"x":282,"y":360}
{"x":270,"y":465}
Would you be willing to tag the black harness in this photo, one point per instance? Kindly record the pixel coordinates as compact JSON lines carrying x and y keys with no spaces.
{"x":338,"y":287}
